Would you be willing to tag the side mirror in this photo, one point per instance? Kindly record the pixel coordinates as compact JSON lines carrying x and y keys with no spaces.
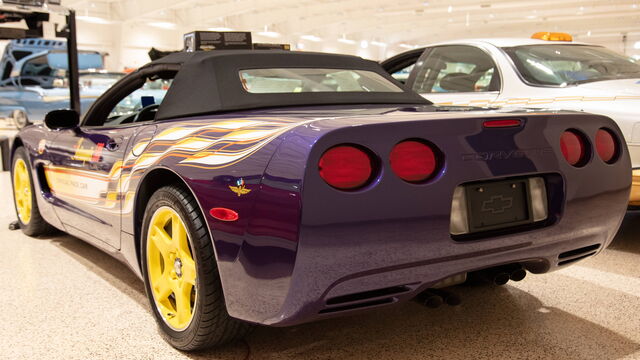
{"x":62,"y":119}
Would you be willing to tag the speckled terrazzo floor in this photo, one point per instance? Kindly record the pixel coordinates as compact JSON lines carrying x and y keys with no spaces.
{"x":64,"y":299}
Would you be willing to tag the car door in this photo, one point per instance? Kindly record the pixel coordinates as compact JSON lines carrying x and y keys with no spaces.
{"x":456,"y":75}
{"x":86,"y":161}
{"x":84,"y":177}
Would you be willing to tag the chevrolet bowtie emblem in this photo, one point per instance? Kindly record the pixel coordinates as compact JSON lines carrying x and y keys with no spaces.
{"x":240,"y":189}
{"x":497,"y":204}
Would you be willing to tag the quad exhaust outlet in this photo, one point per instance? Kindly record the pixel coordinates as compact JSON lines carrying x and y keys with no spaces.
{"x":434,"y":298}
{"x":501,"y":275}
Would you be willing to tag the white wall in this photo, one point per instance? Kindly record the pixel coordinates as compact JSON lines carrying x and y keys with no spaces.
{"x":126,"y":43}
{"x":129,"y":41}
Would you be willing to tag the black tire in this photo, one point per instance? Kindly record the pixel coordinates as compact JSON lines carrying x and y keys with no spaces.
{"x":211,"y":324}
{"x":36,"y":226}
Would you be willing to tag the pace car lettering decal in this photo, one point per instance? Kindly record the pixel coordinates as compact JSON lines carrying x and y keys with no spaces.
{"x":534,"y":101}
{"x":90,"y":187}
{"x":240,"y":189}
{"x":211,"y":146}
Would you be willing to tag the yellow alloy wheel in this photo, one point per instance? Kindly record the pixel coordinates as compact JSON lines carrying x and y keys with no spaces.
{"x":171,"y":268}
{"x":22,"y":190}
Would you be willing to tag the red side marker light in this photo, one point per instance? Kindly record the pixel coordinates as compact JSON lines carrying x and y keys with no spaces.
{"x":501,"y":123}
{"x":224,"y":214}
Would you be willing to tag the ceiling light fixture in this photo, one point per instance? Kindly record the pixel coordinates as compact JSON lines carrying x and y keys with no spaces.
{"x":450,"y":9}
{"x":311,"y":38}
{"x":407,"y":46}
{"x":344,"y":40}
{"x":163,"y":24}
{"x":219,"y":29}
{"x":271,"y":34}
{"x":93,"y":19}
{"x":378,"y":43}
{"x":267,"y":33}
{"x":364,"y":44}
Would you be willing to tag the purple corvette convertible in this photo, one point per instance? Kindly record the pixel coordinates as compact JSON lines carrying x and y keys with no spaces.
{"x":276,"y":188}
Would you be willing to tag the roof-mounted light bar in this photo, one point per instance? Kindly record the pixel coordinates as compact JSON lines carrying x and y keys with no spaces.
{"x":552,"y":36}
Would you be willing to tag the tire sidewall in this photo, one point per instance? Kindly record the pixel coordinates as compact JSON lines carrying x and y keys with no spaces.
{"x":167,"y":198}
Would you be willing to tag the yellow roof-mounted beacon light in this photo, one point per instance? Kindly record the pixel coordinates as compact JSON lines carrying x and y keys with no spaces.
{"x":552,"y":36}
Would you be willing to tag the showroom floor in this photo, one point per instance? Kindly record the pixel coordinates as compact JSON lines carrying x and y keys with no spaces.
{"x":64,"y":299}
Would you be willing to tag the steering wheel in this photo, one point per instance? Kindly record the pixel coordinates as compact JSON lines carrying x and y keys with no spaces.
{"x":143,"y":114}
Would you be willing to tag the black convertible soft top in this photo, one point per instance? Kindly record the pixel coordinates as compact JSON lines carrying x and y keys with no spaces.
{"x":209,"y":82}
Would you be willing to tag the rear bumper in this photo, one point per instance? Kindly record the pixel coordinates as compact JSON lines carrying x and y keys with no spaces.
{"x":396,"y":284}
{"x":330,"y":276}
{"x":353,"y":267}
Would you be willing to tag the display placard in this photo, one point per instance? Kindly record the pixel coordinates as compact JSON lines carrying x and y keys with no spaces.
{"x":215,"y":40}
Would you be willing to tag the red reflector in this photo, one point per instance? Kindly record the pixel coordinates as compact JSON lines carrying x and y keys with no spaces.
{"x":501,"y":123}
{"x":606,"y":146}
{"x":413,"y":161}
{"x":224,"y":214}
{"x":572,"y":147}
{"x":345,"y":167}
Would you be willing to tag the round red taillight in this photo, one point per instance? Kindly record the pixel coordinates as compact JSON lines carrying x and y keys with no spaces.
{"x":346,"y":167}
{"x":413,"y":160}
{"x":573,"y":147}
{"x":606,"y":146}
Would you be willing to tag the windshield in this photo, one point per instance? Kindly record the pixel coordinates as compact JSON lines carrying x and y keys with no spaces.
{"x":562,"y":65}
{"x":152,"y":92}
{"x":301,"y":80}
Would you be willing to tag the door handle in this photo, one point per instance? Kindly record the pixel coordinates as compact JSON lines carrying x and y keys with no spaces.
{"x":113,"y":144}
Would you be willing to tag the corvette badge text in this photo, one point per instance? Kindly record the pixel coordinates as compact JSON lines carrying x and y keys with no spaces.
{"x":505,"y":155}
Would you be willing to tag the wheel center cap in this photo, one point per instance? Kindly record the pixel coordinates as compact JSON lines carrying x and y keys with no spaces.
{"x":177,"y":266}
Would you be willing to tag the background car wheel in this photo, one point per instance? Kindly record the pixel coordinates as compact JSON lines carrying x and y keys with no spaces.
{"x":24,"y":197}
{"x":181,"y":276}
{"x":20,"y":118}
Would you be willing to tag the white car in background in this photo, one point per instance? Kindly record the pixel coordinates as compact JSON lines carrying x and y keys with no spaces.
{"x":532,"y":73}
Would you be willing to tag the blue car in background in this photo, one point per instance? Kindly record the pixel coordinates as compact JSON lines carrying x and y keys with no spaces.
{"x":34,"y":79}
